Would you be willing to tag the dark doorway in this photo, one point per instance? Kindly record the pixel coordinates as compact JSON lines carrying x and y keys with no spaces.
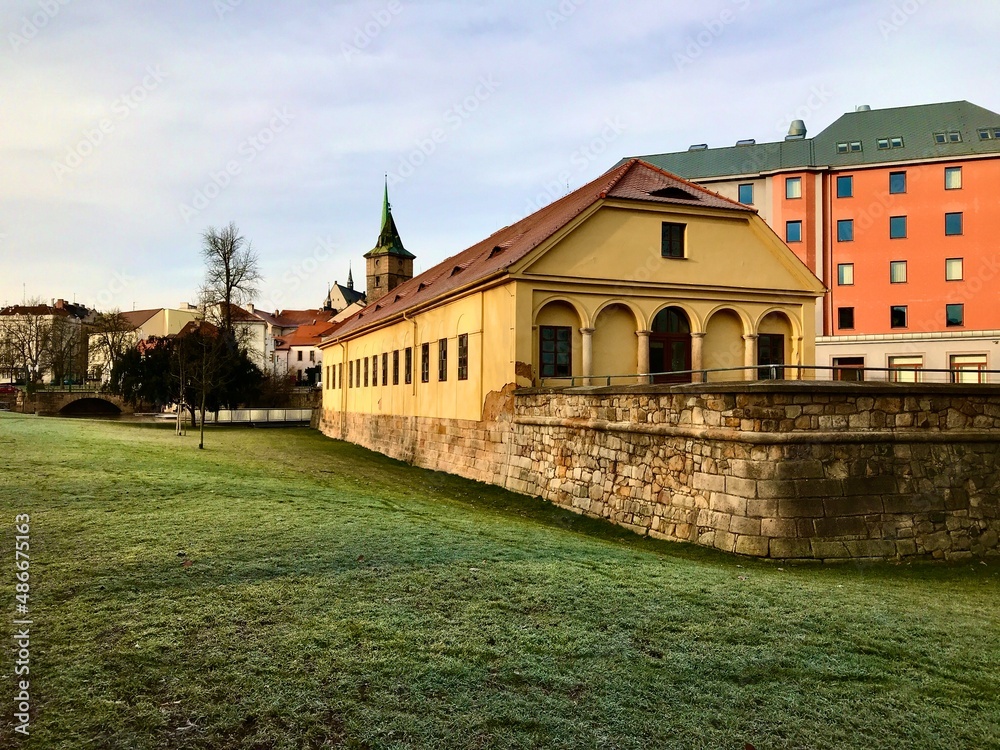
{"x":770,"y":355}
{"x":670,"y":346}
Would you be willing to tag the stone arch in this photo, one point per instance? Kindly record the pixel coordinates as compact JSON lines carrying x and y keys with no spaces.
{"x":615,"y":350}
{"x":552,"y":340}
{"x":582,"y":320}
{"x":777,"y":344}
{"x":670,"y":345}
{"x":724,"y":345}
{"x":692,"y":316}
{"x":90,"y":406}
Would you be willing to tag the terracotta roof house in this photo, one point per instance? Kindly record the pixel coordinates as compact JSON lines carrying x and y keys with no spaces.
{"x":639,"y":275}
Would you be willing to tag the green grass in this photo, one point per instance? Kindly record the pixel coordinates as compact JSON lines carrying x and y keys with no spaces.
{"x":337,"y":598}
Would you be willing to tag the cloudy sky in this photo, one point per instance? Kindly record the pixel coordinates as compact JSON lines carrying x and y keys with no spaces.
{"x":130,"y":126}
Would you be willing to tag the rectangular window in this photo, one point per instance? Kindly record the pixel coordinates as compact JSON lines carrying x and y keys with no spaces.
{"x":395,"y":367}
{"x":793,"y":187}
{"x":954,"y":315}
{"x":855,"y":146}
{"x":905,"y":369}
{"x":968,"y":368}
{"x":952,"y":178}
{"x":425,"y":363}
{"x":842,"y":147}
{"x":897,"y":272}
{"x":357,"y":373}
{"x":746,"y":194}
{"x":845,"y":186}
{"x":940,"y":137}
{"x":340,"y":374}
{"x":312,"y":356}
{"x":385,"y":368}
{"x":897,"y":316}
{"x":849,"y":369}
{"x":350,"y":374}
{"x":442,"y":359}
{"x":953,"y":269}
{"x":985,"y":134}
{"x":845,"y":230}
{"x":408,"y":365}
{"x":845,"y":274}
{"x":366,"y":372}
{"x":897,"y":227}
{"x":845,"y":318}
{"x":300,"y":355}
{"x":672,"y":240}
{"x":897,"y":182}
{"x":374,"y":369}
{"x":326,"y":383}
{"x":882,"y":143}
{"x":463,"y":356}
{"x":793,"y":231}
{"x":953,"y":224}
{"x":556,"y":351}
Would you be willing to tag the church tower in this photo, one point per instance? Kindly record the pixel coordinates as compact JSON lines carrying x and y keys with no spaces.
{"x":389,"y":264}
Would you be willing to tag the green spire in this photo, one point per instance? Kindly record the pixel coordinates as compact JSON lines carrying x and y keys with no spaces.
{"x":389,"y":242}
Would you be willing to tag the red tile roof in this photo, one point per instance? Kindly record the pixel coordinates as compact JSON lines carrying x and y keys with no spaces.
{"x":634,"y":180}
{"x":136,"y":318}
{"x":307,"y":335}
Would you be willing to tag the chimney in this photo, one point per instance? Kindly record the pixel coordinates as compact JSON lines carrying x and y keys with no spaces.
{"x":250,"y":307}
{"x":796,"y":131}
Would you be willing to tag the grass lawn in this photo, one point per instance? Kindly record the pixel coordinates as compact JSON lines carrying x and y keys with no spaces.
{"x":282,"y":590}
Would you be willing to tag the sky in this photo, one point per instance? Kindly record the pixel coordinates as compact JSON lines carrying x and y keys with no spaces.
{"x":131,"y":127}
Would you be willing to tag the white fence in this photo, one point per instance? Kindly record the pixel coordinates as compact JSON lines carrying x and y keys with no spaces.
{"x":259,"y":416}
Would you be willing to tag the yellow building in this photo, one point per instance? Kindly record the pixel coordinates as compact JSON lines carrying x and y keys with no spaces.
{"x":639,"y":276}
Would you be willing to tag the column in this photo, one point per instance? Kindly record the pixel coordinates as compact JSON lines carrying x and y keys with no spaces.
{"x":750,"y":356}
{"x":588,"y":354}
{"x":643,"y":358}
{"x":697,"y":356}
{"x":797,"y":373}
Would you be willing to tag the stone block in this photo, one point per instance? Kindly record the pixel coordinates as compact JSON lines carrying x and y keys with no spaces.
{"x":744,"y":525}
{"x":778,"y":527}
{"x":841,"y":527}
{"x":939,"y":540}
{"x":830,"y":550}
{"x":789,"y":549}
{"x":871,"y":548}
{"x":819,"y":487}
{"x":880,"y":484}
{"x":857,"y":505}
{"x":710,"y":482}
{"x":759,"y":508}
{"x":775,"y":488}
{"x":905,"y":547}
{"x":802,"y":469}
{"x":725,"y":541}
{"x":800,"y":508}
{"x":757,"y":546}
{"x":724,"y":503}
{"x":741,"y":487}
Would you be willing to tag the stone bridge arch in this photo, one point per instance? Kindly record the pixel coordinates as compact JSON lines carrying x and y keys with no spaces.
{"x":78,"y":403}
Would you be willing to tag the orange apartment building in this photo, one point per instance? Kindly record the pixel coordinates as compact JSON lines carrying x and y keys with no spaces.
{"x":897,"y":211}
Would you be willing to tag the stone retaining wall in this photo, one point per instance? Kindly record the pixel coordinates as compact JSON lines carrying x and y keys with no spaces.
{"x":800,"y":470}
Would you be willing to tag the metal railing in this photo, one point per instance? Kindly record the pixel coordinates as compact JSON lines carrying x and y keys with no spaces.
{"x":259,"y":416}
{"x":816,"y":373}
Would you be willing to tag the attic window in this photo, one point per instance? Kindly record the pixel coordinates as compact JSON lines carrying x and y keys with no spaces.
{"x":988,"y":134}
{"x":952,"y":136}
{"x":397,"y":298}
{"x":423,"y":285}
{"x":378,"y":307}
{"x":847,"y":146}
{"x":496,"y":251}
{"x":674,"y":193}
{"x":885,"y":143}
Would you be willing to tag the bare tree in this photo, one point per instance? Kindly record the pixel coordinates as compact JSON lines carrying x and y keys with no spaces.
{"x":232,"y":273}
{"x":26,"y":329}
{"x":113,"y":334}
{"x":63,"y":348}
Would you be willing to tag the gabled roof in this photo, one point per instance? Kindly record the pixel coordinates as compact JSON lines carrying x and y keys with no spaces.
{"x":291,"y":318}
{"x":349,"y":294}
{"x":633,"y":181}
{"x":136,"y":318}
{"x":307,"y":335}
{"x":915,"y":125}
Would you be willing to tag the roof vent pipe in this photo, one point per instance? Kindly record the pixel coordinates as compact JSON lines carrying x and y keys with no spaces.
{"x":864,"y":108}
{"x":797,"y":129}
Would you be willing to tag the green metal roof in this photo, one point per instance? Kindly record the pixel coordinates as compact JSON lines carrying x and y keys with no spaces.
{"x":389,"y":242}
{"x":915,"y":125}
